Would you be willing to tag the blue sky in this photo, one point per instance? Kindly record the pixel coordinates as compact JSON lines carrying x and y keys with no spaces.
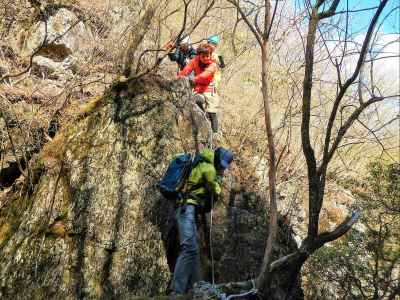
{"x":360,"y":20}
{"x":391,"y":24}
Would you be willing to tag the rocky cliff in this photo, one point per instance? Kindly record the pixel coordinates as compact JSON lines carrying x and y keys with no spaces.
{"x":87,"y":220}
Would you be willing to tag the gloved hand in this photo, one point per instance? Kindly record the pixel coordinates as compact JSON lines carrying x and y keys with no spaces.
{"x":169,"y":45}
{"x":221,"y":62}
{"x":219,"y":179}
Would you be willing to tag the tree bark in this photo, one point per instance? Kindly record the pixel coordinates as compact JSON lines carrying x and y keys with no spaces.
{"x":313,"y":183}
{"x":273,"y":210}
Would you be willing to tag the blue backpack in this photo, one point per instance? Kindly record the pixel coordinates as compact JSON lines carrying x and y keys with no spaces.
{"x":172,"y":184}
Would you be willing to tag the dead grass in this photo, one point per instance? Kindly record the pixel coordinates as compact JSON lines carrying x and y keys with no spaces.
{"x":90,"y":105}
{"x":4,"y":231}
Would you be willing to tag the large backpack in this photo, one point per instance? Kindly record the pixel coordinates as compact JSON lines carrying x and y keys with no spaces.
{"x":172,"y":184}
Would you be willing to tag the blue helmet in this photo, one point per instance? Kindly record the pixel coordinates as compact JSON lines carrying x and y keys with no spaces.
{"x":213,"y":39}
{"x":222,"y":158}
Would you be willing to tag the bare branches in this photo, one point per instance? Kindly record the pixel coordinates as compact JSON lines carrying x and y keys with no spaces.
{"x":376,"y":138}
{"x":43,"y":44}
{"x":330,"y":12}
{"x":348,"y":82}
{"x":245,"y":18}
{"x":137,"y":38}
{"x":182,"y":31}
{"x":344,"y":128}
{"x":317,"y":176}
{"x":17,"y":159}
{"x":268,"y":30}
{"x":345,"y":226}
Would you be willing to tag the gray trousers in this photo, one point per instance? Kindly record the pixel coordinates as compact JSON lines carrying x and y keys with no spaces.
{"x":187,"y":268}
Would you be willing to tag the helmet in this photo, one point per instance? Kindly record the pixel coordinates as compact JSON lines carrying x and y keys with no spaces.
{"x":222,"y":158}
{"x":185,"y":41}
{"x":213,"y":39}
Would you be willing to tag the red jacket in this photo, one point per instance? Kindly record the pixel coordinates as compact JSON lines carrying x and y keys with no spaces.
{"x":204,"y":77}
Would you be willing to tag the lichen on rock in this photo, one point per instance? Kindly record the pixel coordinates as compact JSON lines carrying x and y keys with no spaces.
{"x":89,"y":228}
{"x":93,"y":225}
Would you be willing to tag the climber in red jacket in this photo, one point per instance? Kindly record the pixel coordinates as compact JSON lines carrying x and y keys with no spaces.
{"x":205,"y":69}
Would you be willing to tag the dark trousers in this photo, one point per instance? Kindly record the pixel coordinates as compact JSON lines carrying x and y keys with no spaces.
{"x":214,"y":121}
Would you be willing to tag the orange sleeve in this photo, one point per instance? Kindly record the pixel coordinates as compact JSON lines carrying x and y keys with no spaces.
{"x":187,"y":69}
{"x":205,"y":77}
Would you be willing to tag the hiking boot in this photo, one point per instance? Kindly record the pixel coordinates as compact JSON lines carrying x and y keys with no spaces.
{"x":175,"y":296}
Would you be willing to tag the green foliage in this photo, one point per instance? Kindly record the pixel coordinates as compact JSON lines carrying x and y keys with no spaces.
{"x":366,"y":263}
{"x":385,"y":185}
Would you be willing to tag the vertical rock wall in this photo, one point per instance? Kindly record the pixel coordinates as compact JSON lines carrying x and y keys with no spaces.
{"x":89,"y":223}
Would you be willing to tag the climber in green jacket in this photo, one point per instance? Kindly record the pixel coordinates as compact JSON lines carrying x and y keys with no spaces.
{"x":204,"y":181}
{"x":203,"y":186}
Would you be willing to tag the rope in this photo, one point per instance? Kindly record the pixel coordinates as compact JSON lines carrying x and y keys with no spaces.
{"x":211,"y":245}
{"x":204,"y":290}
{"x":211,"y":140}
{"x":253,"y":291}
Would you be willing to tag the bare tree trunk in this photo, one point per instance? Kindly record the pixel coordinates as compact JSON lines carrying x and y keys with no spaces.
{"x":136,"y":37}
{"x":273,"y":210}
{"x":313,"y":182}
{"x":262,"y":37}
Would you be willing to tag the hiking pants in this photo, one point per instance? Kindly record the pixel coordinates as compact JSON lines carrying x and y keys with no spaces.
{"x":212,"y":116}
{"x":214,"y":121}
{"x":187,"y":268}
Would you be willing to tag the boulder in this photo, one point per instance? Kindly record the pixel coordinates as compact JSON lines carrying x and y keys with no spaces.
{"x":91,"y":224}
{"x":65,"y":35}
{"x":44,"y":66}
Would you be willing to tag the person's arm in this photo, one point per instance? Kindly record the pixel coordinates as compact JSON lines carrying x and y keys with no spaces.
{"x":205,"y":77}
{"x":212,"y":181}
{"x":187,"y":69}
{"x":192,"y":53}
{"x":173,"y":56}
{"x":221,"y":63}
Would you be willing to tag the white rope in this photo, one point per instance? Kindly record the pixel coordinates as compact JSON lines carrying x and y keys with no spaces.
{"x":211,"y":246}
{"x":211,"y":140}
{"x":251,"y":292}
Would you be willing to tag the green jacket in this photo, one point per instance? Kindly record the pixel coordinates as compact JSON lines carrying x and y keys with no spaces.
{"x":203,"y":181}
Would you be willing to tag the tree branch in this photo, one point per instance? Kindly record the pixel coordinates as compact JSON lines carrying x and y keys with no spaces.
{"x":328,"y":152}
{"x":330,"y":12}
{"x":247,"y":21}
{"x":37,"y":51}
{"x":345,"y":226}
{"x":137,"y":37}
{"x":343,"y":129}
{"x":308,"y":150}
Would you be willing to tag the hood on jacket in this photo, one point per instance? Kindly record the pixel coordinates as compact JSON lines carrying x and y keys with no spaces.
{"x":208,"y":155}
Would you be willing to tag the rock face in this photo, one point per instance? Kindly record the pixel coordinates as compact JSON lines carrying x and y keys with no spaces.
{"x":89,"y":222}
{"x":65,"y":36}
{"x":20,"y":137}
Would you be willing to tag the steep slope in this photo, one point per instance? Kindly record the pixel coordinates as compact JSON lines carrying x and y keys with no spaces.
{"x":89,"y":223}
